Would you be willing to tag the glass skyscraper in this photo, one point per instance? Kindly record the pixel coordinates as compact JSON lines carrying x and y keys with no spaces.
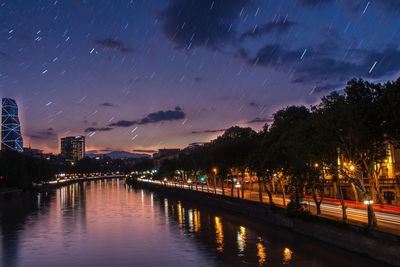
{"x":11,"y":138}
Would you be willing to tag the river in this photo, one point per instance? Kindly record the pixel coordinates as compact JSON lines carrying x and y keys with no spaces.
{"x":106,"y":223}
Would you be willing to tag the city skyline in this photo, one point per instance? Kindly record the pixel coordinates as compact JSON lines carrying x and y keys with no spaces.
{"x":143,"y":75}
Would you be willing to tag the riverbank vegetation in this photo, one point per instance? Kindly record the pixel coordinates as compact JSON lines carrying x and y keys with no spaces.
{"x":18,"y":170}
{"x":345,"y":138}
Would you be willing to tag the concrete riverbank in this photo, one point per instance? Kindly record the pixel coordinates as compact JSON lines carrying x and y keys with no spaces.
{"x":377,"y":245}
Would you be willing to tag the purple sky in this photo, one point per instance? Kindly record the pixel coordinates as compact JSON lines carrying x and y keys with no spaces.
{"x":145,"y":74}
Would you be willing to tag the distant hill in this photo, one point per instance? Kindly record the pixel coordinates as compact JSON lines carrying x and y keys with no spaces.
{"x":119,"y":155}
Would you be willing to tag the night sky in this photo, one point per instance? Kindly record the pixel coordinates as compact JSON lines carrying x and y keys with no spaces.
{"x":146,"y":74}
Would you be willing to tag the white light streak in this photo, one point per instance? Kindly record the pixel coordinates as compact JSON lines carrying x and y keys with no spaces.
{"x":373,"y":66}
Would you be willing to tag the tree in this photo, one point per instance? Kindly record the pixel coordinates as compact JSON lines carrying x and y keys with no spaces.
{"x":233,"y":150}
{"x":19,"y":170}
{"x":258,"y":164}
{"x":355,"y":121}
{"x":390,"y":103}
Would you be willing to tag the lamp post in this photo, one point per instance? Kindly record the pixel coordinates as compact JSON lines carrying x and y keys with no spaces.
{"x":371,"y":219}
{"x":237,"y":185}
{"x":215,"y":171}
{"x":190,"y":183}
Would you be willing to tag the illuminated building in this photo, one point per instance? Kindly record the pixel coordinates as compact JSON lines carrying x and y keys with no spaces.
{"x":73,"y":148}
{"x":11,"y":138}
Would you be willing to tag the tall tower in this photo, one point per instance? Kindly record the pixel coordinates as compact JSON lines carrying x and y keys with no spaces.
{"x":11,"y":138}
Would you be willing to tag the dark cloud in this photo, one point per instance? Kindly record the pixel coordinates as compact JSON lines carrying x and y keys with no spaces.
{"x":389,"y":6}
{"x":47,"y":136}
{"x":209,"y":131}
{"x":259,"y":120}
{"x":370,"y":64}
{"x":107,"y":104}
{"x":387,"y":62}
{"x":159,"y":116}
{"x":115,"y":44}
{"x":316,"y":67}
{"x":100,"y":151}
{"x":254,"y":104}
{"x":210,"y":23}
{"x":123,"y":123}
{"x":276,"y":55}
{"x":94,"y":129}
{"x":315,"y":2}
{"x":145,"y":151}
{"x":43,"y":135}
{"x":280,"y":26}
{"x":4,"y":56}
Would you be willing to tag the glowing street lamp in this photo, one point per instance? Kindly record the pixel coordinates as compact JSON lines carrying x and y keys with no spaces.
{"x":368,"y":202}
{"x":190,"y":183}
{"x":215,"y":171}
{"x":371,"y":216}
{"x":237,"y":185}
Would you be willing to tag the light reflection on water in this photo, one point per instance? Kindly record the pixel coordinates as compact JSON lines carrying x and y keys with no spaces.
{"x":219,"y":234}
{"x":106,"y":223}
{"x":261,"y":253}
{"x":241,"y":240}
{"x":287,"y":255}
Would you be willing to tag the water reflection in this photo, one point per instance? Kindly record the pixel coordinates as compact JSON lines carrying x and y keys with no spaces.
{"x":197,"y":222}
{"x":287,"y":255}
{"x":241,"y":240}
{"x":261,"y":253}
{"x":103,"y":223}
{"x":219,"y":235}
{"x":180,"y":214}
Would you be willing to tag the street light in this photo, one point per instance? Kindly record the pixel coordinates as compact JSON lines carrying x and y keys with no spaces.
{"x":237,"y":185}
{"x":368,"y":202}
{"x":190,"y":183}
{"x":371,"y":217}
{"x":215,"y":171}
